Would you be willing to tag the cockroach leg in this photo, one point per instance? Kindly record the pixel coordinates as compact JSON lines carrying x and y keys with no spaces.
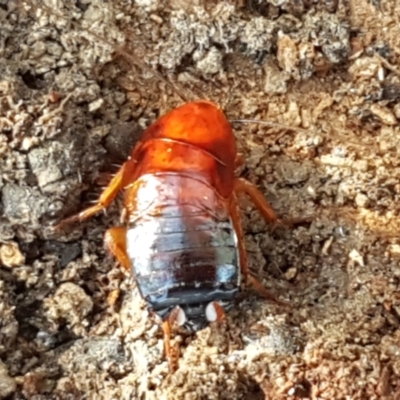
{"x":244,"y":186}
{"x":115,"y":242}
{"x":172,"y":352}
{"x":236,"y":220}
{"x":107,"y":196}
{"x":237,"y":224}
{"x":172,"y":359}
{"x":264,"y":292}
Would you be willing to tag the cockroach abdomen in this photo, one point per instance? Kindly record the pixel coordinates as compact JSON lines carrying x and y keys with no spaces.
{"x":184,"y":255}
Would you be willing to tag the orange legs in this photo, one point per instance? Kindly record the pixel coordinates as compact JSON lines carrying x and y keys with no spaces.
{"x":242,"y":185}
{"x":172,"y":353}
{"x":175,"y":318}
{"x":107,"y":196}
{"x":214,"y":312}
{"x":237,"y":224}
{"x":115,"y":242}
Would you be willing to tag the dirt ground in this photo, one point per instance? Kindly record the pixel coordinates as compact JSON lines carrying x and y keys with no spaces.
{"x":80,"y":80}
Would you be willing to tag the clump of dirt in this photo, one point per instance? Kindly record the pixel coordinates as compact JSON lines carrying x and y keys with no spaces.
{"x":80,"y":81}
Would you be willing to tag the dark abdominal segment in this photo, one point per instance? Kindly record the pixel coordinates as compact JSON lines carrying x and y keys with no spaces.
{"x":185,"y":258}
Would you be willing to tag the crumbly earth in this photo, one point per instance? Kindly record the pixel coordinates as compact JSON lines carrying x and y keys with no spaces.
{"x":79,"y":81}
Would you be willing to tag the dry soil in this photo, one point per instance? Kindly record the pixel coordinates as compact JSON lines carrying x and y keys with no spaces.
{"x":80,"y":80}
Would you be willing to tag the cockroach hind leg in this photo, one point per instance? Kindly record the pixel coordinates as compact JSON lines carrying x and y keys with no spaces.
{"x":167,"y":344}
{"x":257,"y":285}
{"x":115,"y":242}
{"x":172,"y":352}
{"x":234,"y":212}
{"x":244,"y":186}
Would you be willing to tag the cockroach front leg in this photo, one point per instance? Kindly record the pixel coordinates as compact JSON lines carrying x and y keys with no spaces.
{"x":236,"y":220}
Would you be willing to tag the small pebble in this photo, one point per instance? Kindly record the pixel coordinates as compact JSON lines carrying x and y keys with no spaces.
{"x":290,"y":273}
{"x":384,"y":114}
{"x":7,"y":383}
{"x":10,"y":255}
{"x":362,"y":200}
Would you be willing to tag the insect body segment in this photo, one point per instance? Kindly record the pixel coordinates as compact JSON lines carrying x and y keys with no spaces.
{"x":182,"y":236}
{"x":183,"y":247}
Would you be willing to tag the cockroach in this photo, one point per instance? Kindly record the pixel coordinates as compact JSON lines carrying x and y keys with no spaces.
{"x":181,"y":234}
